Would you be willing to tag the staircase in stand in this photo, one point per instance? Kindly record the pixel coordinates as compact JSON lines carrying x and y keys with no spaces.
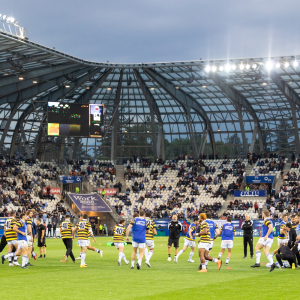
{"x":120,"y":177}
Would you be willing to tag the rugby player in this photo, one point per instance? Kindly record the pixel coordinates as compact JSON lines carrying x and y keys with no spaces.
{"x":149,"y":238}
{"x":89,"y":247}
{"x":189,"y":240}
{"x":283,"y":237}
{"x":66,"y":231}
{"x":139,"y":228}
{"x":213,"y":230}
{"x":84,"y":228}
{"x":204,"y":244}
{"x":11,"y":239}
{"x":20,"y":228}
{"x":118,"y":239}
{"x":29,"y":215}
{"x":265,"y":241}
{"x":227,"y":234}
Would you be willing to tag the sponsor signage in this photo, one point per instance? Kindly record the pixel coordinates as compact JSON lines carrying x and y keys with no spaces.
{"x":70,"y":179}
{"x":260,"y":179}
{"x":108,"y":192}
{"x":249,"y":193}
{"x":53,"y":191}
{"x":89,"y":202}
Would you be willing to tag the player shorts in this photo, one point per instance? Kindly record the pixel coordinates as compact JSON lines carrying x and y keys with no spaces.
{"x":22,"y":244}
{"x":83,"y":243}
{"x":121,"y":244}
{"x":14,"y":242}
{"x":282,"y":241}
{"x":41,"y":243}
{"x":268,"y":242}
{"x":211,"y":245}
{"x":138,"y":245}
{"x":227,"y":244}
{"x":172,"y":241}
{"x":150,"y":244}
{"x":29,"y":240}
{"x":189,"y":243}
{"x":205,"y":246}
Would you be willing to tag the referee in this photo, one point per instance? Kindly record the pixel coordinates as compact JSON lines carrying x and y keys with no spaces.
{"x":175,"y":228}
{"x":247,"y":226}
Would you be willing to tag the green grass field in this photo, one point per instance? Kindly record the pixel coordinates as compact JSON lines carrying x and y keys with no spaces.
{"x":104,"y":279}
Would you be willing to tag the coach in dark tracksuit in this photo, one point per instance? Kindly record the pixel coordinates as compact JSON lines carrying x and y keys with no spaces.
{"x":175,"y":228}
{"x":247,"y":226}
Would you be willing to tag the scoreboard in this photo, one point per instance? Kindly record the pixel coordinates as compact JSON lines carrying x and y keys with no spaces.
{"x":74,"y":119}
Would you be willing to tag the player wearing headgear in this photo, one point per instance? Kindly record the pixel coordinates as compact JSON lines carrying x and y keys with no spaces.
{"x":118,"y":239}
{"x":11,"y":239}
{"x":149,"y":238}
{"x":139,"y":227}
{"x":189,"y":240}
{"x":20,"y":228}
{"x":204,"y":244}
{"x":283,"y":237}
{"x":84,"y":228}
{"x":265,"y":241}
{"x":227,"y":234}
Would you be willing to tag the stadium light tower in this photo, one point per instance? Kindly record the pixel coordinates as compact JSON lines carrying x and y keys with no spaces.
{"x":11,"y":26}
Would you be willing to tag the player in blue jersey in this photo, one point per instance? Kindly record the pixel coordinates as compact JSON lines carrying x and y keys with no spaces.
{"x":265,"y":241}
{"x":139,"y":228}
{"x":227,"y":234}
{"x":189,"y":241}
{"x":21,"y":229}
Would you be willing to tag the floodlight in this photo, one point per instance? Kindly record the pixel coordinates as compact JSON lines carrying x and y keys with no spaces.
{"x":247,"y":66}
{"x":286,"y":64}
{"x":295,"y":64}
{"x":241,"y":66}
{"x":277,"y":65}
{"x":221,"y":68}
{"x":207,"y":69}
{"x":269,"y":65}
{"x":214,"y":68}
{"x":254,"y":66}
{"x":233,"y":67}
{"x":227,"y":67}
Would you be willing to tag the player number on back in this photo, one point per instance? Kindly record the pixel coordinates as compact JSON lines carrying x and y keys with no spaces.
{"x":64,"y":225}
{"x":81,"y":225}
{"x":119,"y":231}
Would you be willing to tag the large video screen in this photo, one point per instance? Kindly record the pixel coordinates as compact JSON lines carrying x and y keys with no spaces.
{"x":78,"y":120}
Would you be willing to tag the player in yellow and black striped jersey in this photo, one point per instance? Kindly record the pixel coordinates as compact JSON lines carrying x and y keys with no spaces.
{"x":84,"y":228}
{"x":204,"y":245}
{"x":149,"y":238}
{"x":66,"y":231}
{"x":11,"y":239}
{"x":119,"y":232}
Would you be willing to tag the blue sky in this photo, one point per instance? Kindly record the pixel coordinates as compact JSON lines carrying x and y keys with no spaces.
{"x":138,"y":31}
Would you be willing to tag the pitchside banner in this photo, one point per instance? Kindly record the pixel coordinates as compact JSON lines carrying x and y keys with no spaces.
{"x":108,"y":192}
{"x":89,"y":202}
{"x":70,"y":179}
{"x":260,"y":179}
{"x":162,"y":226}
{"x":53,"y":191}
{"x":249,"y":193}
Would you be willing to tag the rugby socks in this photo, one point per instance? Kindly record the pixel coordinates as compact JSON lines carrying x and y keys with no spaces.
{"x":96,"y":250}
{"x":82,"y":256}
{"x":124,"y":257}
{"x":179,"y":253}
{"x":149,"y":255}
{"x":270,"y":258}
{"x":24,"y":260}
{"x":220,"y":255}
{"x":206,"y":261}
{"x":258,"y":255}
{"x":120,"y":256}
{"x":140,"y":262}
{"x":203,"y":266}
{"x":33,"y":253}
{"x":215,"y":260}
{"x":227,"y":260}
{"x":132,"y":263}
{"x":191,"y":255}
{"x":146,"y":252}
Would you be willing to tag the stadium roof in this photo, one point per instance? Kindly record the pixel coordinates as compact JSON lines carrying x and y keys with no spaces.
{"x":161,"y":109}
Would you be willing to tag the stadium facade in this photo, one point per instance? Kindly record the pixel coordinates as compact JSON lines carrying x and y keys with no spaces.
{"x":151,"y":109}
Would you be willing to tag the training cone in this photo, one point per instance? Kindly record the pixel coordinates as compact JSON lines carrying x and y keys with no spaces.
{"x":100,"y":244}
{"x":228,"y":268}
{"x":263,"y":263}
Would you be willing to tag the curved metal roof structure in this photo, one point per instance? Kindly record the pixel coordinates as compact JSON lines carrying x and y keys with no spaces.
{"x":152,"y":109}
